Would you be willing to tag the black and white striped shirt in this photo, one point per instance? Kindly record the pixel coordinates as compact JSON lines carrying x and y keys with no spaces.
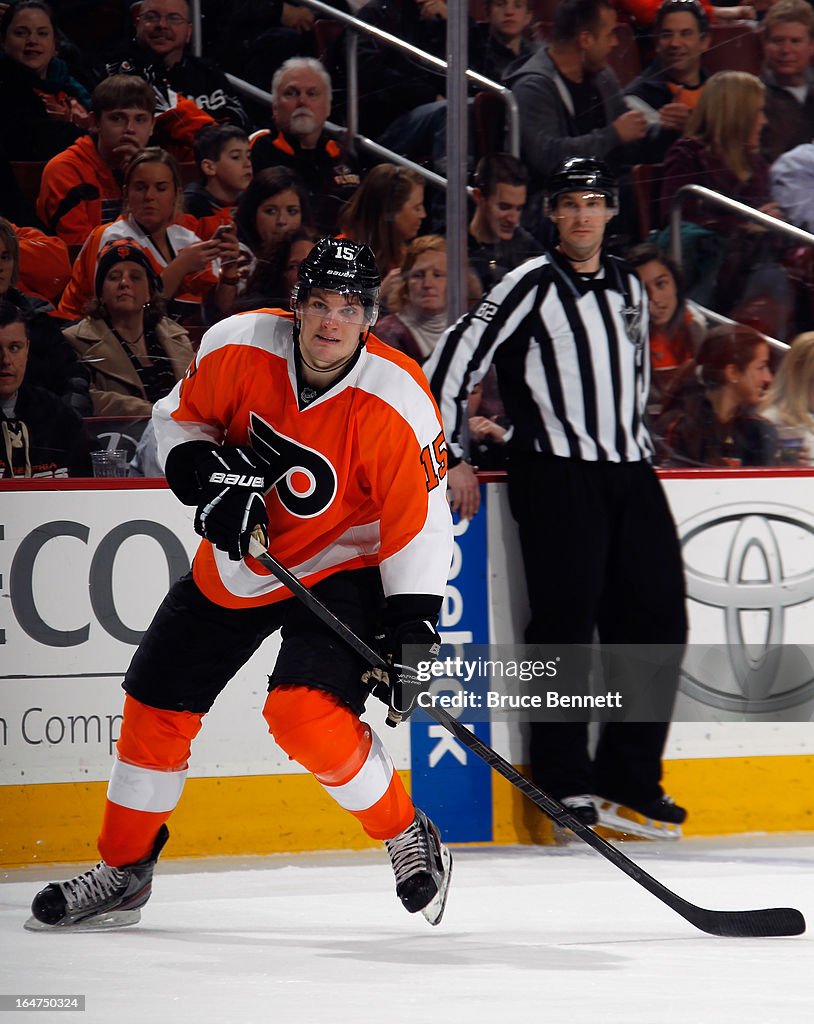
{"x":571,"y":357}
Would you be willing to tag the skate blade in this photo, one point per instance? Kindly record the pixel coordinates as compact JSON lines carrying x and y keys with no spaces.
{"x":629,"y":822}
{"x":98,"y":923}
{"x":434,"y":910}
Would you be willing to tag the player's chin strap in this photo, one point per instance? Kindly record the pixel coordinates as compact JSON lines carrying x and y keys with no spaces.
{"x":735,"y":923}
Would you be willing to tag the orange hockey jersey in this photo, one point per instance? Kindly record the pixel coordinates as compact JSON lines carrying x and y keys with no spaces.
{"x":366,"y":462}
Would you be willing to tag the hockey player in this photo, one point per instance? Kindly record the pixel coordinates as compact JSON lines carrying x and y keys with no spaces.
{"x":329,"y":441}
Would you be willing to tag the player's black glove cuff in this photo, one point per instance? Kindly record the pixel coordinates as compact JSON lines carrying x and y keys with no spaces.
{"x":408,"y":648}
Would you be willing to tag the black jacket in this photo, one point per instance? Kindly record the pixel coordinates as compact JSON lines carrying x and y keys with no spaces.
{"x":198,"y":79}
{"x":27,"y":132}
{"x":52,"y":363}
{"x":45,"y":438}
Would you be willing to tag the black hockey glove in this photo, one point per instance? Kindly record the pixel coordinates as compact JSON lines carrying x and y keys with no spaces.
{"x":227,"y":484}
{"x":405,"y":647}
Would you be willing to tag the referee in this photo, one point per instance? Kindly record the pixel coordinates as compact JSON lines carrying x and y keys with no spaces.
{"x":567,"y":334}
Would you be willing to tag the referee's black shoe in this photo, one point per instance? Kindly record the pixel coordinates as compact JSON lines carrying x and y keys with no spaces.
{"x":582,"y":807}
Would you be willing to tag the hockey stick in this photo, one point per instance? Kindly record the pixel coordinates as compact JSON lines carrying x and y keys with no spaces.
{"x":735,"y":923}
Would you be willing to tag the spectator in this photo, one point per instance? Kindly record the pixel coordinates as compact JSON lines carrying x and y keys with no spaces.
{"x":152,"y":218}
{"x":269,"y":285}
{"x":391,"y":84}
{"x":709,"y":417}
{"x":645,"y":12}
{"x":789,"y":402}
{"x":788,"y":47}
{"x":571,"y":104}
{"x":386,"y":213}
{"x":502,"y":39}
{"x":52,"y":363}
{"x":419,"y":302}
{"x":40,"y":436}
{"x":272,"y":208}
{"x":720,"y":151}
{"x":792,"y":185}
{"x":496,"y":241}
{"x":224,"y":167}
{"x":676,"y":326}
{"x":669,"y":88}
{"x":44,"y":264}
{"x":135,"y":352}
{"x":488,"y":426}
{"x":81,"y":187}
{"x":252,"y":37}
{"x":44,"y":109}
{"x":190,"y":91}
{"x":301,"y":103}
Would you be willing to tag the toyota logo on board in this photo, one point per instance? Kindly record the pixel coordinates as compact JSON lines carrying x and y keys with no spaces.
{"x":753,"y":566}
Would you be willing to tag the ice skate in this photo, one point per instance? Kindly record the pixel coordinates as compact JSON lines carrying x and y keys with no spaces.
{"x":422,"y":866}
{"x":648,"y":819}
{"x":104,"y":897}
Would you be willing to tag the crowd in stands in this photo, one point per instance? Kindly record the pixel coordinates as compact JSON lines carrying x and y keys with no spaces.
{"x":143,"y":197}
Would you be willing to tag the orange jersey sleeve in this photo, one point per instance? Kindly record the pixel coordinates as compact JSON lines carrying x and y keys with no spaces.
{"x":45,"y":266}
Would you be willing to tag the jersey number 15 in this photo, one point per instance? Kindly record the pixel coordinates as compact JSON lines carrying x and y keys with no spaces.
{"x":434,"y":461}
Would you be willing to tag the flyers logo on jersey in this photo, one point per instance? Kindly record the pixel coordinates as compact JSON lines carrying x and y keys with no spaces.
{"x":306,"y":484}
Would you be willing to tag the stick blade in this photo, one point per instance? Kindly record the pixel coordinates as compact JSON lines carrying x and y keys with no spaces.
{"x":749,"y":923}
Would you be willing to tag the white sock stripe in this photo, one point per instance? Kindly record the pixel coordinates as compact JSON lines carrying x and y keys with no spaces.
{"x":369,"y":784}
{"x":144,"y":789}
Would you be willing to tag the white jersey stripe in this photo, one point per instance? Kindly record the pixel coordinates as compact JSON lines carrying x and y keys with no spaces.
{"x":369,"y":784}
{"x":144,"y":789}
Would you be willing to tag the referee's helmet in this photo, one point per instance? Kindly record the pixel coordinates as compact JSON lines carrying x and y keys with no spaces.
{"x":582,"y":174}
{"x":340,"y":265}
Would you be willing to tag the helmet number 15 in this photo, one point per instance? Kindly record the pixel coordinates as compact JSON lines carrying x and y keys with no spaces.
{"x":434,"y":461}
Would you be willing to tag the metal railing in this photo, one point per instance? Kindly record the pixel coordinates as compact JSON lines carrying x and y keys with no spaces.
{"x":772,"y":224}
{"x":457,"y":118}
{"x":428,"y":59}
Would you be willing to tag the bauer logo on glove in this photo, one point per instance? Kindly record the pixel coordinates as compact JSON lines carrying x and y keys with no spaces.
{"x":228,"y":486}
{"x":236,"y":480}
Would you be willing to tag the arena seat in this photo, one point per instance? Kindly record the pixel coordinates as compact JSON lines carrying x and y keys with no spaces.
{"x":28,"y":175}
{"x":735,"y":47}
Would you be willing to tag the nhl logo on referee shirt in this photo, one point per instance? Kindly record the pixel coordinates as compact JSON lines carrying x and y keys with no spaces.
{"x":632,"y":318}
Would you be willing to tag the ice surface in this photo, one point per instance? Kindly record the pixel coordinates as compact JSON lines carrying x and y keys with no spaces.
{"x":531,"y":935}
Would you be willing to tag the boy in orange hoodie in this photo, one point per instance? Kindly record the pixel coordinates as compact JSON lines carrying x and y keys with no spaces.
{"x":82,"y":186}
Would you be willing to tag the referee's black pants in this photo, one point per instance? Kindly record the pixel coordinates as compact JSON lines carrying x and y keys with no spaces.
{"x":601,"y":554}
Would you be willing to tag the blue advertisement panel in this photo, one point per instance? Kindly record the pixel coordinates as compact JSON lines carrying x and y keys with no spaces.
{"x":451,"y":784}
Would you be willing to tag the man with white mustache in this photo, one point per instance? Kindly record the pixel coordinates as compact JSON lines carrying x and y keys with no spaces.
{"x":301,"y":102}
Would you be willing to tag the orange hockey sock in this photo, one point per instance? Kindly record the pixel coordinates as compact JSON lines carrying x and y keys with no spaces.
{"x":323,"y":735}
{"x":147,"y":779}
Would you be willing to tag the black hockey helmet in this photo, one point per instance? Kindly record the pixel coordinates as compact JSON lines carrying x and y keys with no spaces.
{"x":582,"y":174}
{"x":340,"y":265}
